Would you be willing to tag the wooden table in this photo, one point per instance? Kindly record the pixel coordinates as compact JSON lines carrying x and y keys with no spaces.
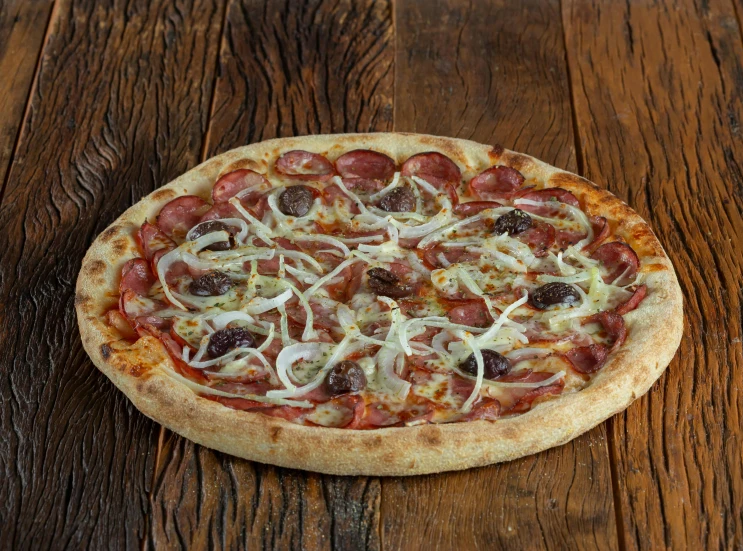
{"x":102,"y":102}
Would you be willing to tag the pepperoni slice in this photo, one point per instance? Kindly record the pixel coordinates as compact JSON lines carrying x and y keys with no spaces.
{"x":474,"y":313}
{"x":435,"y":168}
{"x":587,"y":359}
{"x":551,"y":194}
{"x":181,"y":214}
{"x":613,"y":324}
{"x":220,"y":210}
{"x":619,"y":260}
{"x":333,"y":193}
{"x":474,"y":207}
{"x":540,"y":237}
{"x":136,"y":276}
{"x":487,"y":409}
{"x":601,"y":231}
{"x":303,"y":165}
{"x":498,"y":182}
{"x":363,"y":163}
{"x":236,"y":181}
{"x":633,"y":302}
{"x":367,"y":185}
{"x":152,"y":240}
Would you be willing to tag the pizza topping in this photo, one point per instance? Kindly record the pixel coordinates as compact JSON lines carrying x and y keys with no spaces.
{"x":181,"y":214}
{"x":345,"y":377}
{"x":212,"y":226}
{"x":224,"y":340}
{"x":435,"y":168}
{"x":513,"y":222}
{"x":370,"y":287}
{"x":619,"y":261}
{"x":385,"y":283}
{"x":496,"y":183}
{"x":400,"y":199}
{"x":494,"y":364}
{"x":296,"y":200}
{"x":363,"y":163}
{"x":554,"y":293}
{"x":211,"y":284}
{"x":303,"y":165}
{"x":238,"y":181}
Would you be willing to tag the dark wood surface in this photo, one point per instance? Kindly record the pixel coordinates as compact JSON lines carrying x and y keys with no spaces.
{"x":101,"y":102}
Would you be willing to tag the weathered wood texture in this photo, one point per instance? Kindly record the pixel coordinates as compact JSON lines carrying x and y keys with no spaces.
{"x":118,"y":109}
{"x":23,"y":25}
{"x":495,"y":72}
{"x":658,"y":109}
{"x":286,"y":69}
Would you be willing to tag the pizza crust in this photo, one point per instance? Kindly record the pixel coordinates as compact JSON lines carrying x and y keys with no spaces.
{"x":140,"y":369}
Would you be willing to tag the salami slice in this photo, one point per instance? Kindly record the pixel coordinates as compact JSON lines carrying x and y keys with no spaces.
{"x":496,"y":183}
{"x":473,"y":313}
{"x":587,"y":359}
{"x":435,"y":168}
{"x":181,"y":214}
{"x":303,"y":165}
{"x":633,"y":302}
{"x":551,"y":194}
{"x":601,"y":231}
{"x":619,"y":261}
{"x":613,"y":324}
{"x":152,"y":240}
{"x":366,"y":185}
{"x":540,"y":237}
{"x":474,"y":207}
{"x":364,"y":163}
{"x":234,"y":182}
{"x":136,"y":276}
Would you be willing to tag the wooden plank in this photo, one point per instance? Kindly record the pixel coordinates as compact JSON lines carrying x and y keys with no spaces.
{"x":288,"y":69}
{"x":23,"y":26}
{"x":119,"y":108}
{"x":495,"y":72}
{"x":658,"y":97}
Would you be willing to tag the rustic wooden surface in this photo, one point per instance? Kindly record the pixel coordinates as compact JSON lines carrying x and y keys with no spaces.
{"x":101,"y":102}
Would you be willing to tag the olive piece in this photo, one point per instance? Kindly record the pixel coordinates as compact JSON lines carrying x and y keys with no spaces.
{"x":400,"y":199}
{"x":513,"y":222}
{"x":224,"y":340}
{"x":210,"y":227}
{"x":296,"y":200}
{"x":345,"y":377}
{"x":385,"y":283}
{"x":211,"y":284}
{"x":494,"y":364}
{"x":554,"y":293}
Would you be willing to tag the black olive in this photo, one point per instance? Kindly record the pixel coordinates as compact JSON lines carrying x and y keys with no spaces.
{"x":513,"y":222}
{"x":400,"y":199}
{"x":211,"y":284}
{"x":210,"y":227}
{"x":345,"y":377}
{"x":494,"y":364}
{"x":224,"y":340}
{"x":385,"y":283}
{"x":296,"y":200}
{"x":554,"y":293}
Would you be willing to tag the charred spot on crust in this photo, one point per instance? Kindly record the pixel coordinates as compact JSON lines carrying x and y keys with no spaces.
{"x":106,"y":351}
{"x":109,"y":233}
{"x":496,"y":152}
{"x":430,"y":435}
{"x":120,"y":246}
{"x":275,"y":433}
{"x":81,"y":300}
{"x":163,"y":195}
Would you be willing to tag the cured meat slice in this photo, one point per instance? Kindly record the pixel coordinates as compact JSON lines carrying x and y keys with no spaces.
{"x":435,"y":168}
{"x":474,"y":207}
{"x":601,"y":231}
{"x":364,"y":163}
{"x":496,"y":183}
{"x":474,"y":313}
{"x":152,"y":240}
{"x":587,"y":359}
{"x":303,"y":165}
{"x":367,"y":185}
{"x":136,"y":276}
{"x":619,"y":260}
{"x":181,"y":214}
{"x":551,"y":194}
{"x":633,"y":302}
{"x":613,"y":324}
{"x":234,"y":182}
{"x":540,"y":237}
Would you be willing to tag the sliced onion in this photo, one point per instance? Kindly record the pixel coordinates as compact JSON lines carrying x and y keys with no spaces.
{"x":387,"y":376}
{"x":259,"y":305}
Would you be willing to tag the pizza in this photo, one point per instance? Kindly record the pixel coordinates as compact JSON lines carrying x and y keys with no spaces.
{"x":379,"y":304}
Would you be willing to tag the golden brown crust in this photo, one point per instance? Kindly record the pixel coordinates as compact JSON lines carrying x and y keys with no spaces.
{"x":140,"y":370}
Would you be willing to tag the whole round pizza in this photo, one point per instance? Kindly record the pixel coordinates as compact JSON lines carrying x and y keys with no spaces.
{"x":379,"y":304}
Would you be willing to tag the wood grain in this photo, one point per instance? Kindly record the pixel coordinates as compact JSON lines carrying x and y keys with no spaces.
{"x":119,"y":108}
{"x":658,"y":98}
{"x":23,"y":26}
{"x":286,"y":69}
{"x":495,"y":72}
